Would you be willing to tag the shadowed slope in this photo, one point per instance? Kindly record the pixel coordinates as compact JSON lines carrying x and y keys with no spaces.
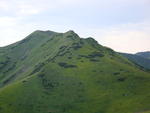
{"x":144,"y":54}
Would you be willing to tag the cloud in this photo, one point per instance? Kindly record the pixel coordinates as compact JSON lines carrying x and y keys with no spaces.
{"x":130,"y":38}
{"x":28,"y":10}
{"x":3,"y":5}
{"x":119,"y":24}
{"x":127,"y":41}
{"x":19,"y":8}
{"x":7,"y":21}
{"x":24,"y":6}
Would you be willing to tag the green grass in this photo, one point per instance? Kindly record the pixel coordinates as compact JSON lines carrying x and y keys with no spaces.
{"x":94,"y":79}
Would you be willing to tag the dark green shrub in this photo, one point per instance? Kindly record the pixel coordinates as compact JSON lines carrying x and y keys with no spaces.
{"x":65,"y":65}
{"x":121,"y":79}
{"x":116,"y":73}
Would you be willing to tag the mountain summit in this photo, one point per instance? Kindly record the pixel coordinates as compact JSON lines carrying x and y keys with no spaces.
{"x":50,"y":72}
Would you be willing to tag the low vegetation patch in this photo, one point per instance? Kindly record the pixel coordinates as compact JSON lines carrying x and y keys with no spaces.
{"x":65,"y":65}
{"x":37,"y":68}
{"x":121,"y":79}
{"x":116,"y":73}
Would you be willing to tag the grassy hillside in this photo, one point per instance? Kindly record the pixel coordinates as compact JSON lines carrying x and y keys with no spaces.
{"x":50,"y":72}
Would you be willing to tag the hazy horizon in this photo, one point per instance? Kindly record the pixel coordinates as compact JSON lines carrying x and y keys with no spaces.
{"x":122,"y":25}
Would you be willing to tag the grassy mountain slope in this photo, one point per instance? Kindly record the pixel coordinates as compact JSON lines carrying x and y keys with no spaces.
{"x":21,"y":57}
{"x":62,"y":73}
{"x":139,"y":60}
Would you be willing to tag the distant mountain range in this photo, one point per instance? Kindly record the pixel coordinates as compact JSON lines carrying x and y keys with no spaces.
{"x":50,"y":72}
{"x":144,"y":54}
{"x":142,"y":59}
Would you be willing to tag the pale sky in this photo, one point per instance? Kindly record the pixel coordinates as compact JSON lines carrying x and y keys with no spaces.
{"x":123,"y":25}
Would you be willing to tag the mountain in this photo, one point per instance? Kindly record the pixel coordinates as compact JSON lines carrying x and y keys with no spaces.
{"x":144,"y":54}
{"x":139,"y":60}
{"x":49,"y":72}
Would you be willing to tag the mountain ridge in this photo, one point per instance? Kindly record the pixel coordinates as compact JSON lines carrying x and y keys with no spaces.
{"x":145,"y":54}
{"x":63,"y":73}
